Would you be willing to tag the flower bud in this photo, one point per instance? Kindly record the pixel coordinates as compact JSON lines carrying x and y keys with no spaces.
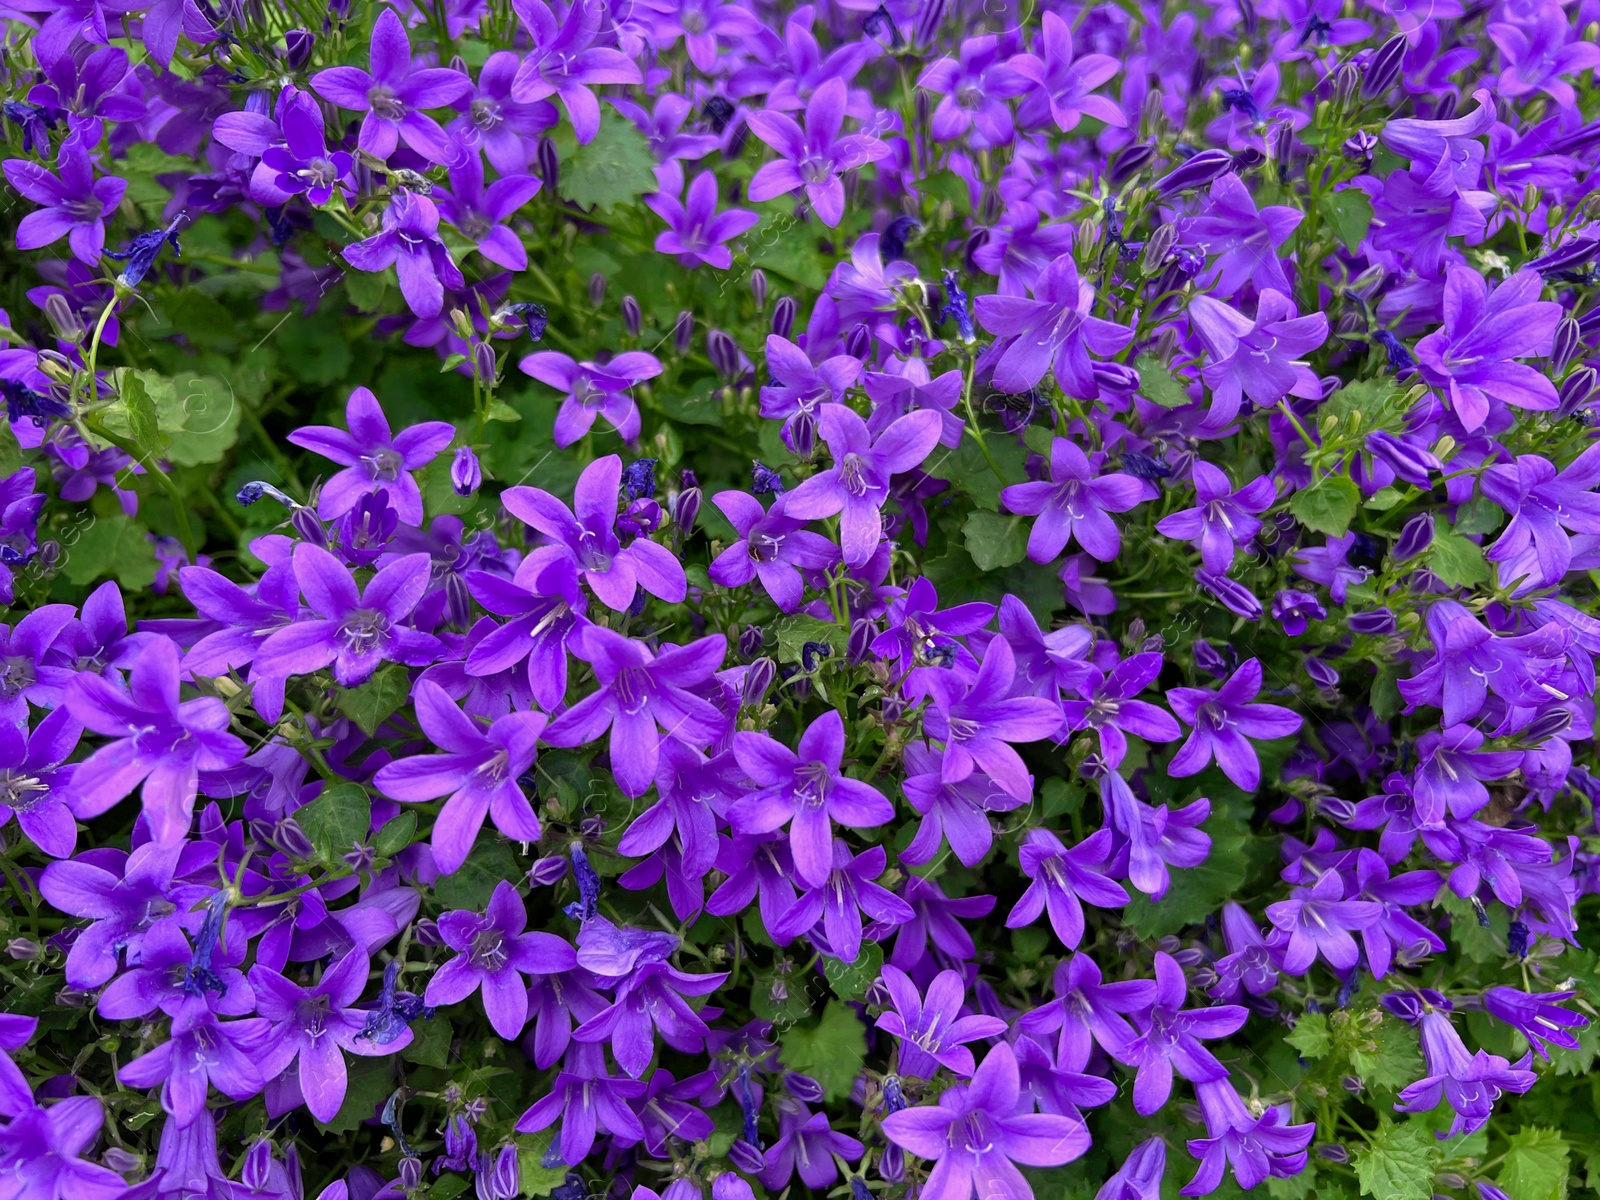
{"x":485,"y":364}
{"x":758,"y":681}
{"x":747,"y":1157}
{"x":1129,"y":162}
{"x":548,"y":164}
{"x":24,"y":949}
{"x":718,"y":111}
{"x":1157,"y":247}
{"x":724,"y":354}
{"x":1575,"y":390}
{"x":750,"y":639}
{"x":803,"y":1087}
{"x":308,"y":527}
{"x":49,"y":554}
{"x":783,"y":314}
{"x":1415,"y":537}
{"x":1565,"y":347}
{"x":1201,"y":169}
{"x":466,"y":474}
{"x":410,"y":1172}
{"x":1232,"y":595}
{"x":859,"y":645}
{"x":687,"y":509}
{"x":597,"y":289}
{"x":930,"y":19}
{"x":858,"y":342}
{"x":297,"y":47}
{"x":64,"y":320}
{"x":758,"y":287}
{"x":1333,"y":1152}
{"x":1548,"y":724}
{"x":1383,"y":68}
{"x":1375,"y":622}
{"x":1248,"y":159}
{"x":1282,"y":145}
{"x":801,"y":436}
{"x":123,"y":1162}
{"x":683,"y":332}
{"x":1322,"y":673}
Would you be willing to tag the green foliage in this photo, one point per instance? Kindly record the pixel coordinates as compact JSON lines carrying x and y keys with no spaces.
{"x":616,"y":168}
{"x":831,"y":1051}
{"x":1397,"y":1164}
{"x":996,"y":541}
{"x":1536,"y":1166}
{"x":1328,"y":505}
{"x":336,"y":821}
{"x":375,"y":701}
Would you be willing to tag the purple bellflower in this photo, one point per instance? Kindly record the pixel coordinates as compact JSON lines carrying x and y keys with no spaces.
{"x":373,"y":458}
{"x":857,"y":484}
{"x":978,"y":721}
{"x":695,"y":231}
{"x":1223,"y":722}
{"x":1061,"y":878}
{"x":772,"y":547}
{"x":1064,"y":80}
{"x":1258,"y":359}
{"x":830,"y":914}
{"x":1224,"y":519}
{"x":75,"y":202}
{"x":1169,"y":1038}
{"x":1319,"y":920}
{"x":479,"y":770}
{"x":1469,"y":1083}
{"x":593,"y":391}
{"x":806,"y":789}
{"x":493,"y":953}
{"x":565,"y":62}
{"x":586,"y":533}
{"x":409,"y":242}
{"x":1073,"y":503}
{"x":1052,"y":331}
{"x":393,"y":94}
{"x":931,"y":1028}
{"x":814,"y":158}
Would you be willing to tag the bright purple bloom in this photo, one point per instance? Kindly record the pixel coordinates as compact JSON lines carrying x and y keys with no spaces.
{"x":394,"y":94}
{"x":1544,"y":506}
{"x":918,"y":631}
{"x":543,"y":603}
{"x":479,"y":212}
{"x":1061,"y":878}
{"x":1471,"y":661}
{"x":1052,"y":331}
{"x":772,"y":547}
{"x":123,"y":898}
{"x":35,"y":786}
{"x":1139,"y":1177}
{"x":1223,"y":720}
{"x":1258,"y":359}
{"x":976,"y":91}
{"x":1242,"y":241}
{"x":566,"y":63}
{"x":200,"y":1051}
{"x":159,"y":741}
{"x":409,"y":242}
{"x":830,"y":914}
{"x":43,"y":1154}
{"x":800,"y":388}
{"x":813,"y":158}
{"x":1112,"y":710}
{"x":493,"y":952}
{"x":1249,"y":965}
{"x":1319,"y":920}
{"x":1156,"y":837}
{"x":593,"y":391}
{"x":650,"y":999}
{"x":1256,"y":1147}
{"x":1294,"y":610}
{"x":352,"y":631}
{"x":807,"y":1143}
{"x":1469,"y":1083}
{"x":857,"y":484}
{"x":1538,"y":1017}
{"x":90,"y":90}
{"x":1224,"y":519}
{"x":374,"y":459}
{"x":931,"y":1029}
{"x":1472,"y":355}
{"x":585,"y":1099}
{"x":976,"y":1135}
{"x":1074,"y":503}
{"x":480,"y":770}
{"x":1064,"y":81}
{"x":978,"y":720}
{"x":1452,"y":772}
{"x":315,"y":1027}
{"x":586,"y":533}
{"x":1169,"y":1038}
{"x":639,"y":694}
{"x":75,"y":202}
{"x":695,"y":230}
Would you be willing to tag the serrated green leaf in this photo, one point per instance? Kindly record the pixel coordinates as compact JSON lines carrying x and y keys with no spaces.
{"x":1349,"y":214}
{"x":615,"y":168}
{"x":968,"y":469}
{"x":336,"y":821}
{"x":134,"y":414}
{"x":1536,"y":1165}
{"x":1158,"y":385}
{"x":1397,"y":1164}
{"x":1456,"y":561}
{"x":368,"y":1084}
{"x":796,"y":632}
{"x":1479,"y":515}
{"x":850,"y":981}
{"x":366,"y":289}
{"x":1328,"y":505}
{"x":538,"y":1179}
{"x":1389,"y":1058}
{"x":430,"y":1042}
{"x":209,"y":421}
{"x":472,"y":883}
{"x":995,"y":540}
{"x":376,"y":700}
{"x":831,"y":1051}
{"x":1310,"y":1035}
{"x":947,"y":185}
{"x":115,"y":546}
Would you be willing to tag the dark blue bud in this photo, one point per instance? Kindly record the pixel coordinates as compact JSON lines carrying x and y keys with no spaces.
{"x":1129,"y":162}
{"x":718,"y":111}
{"x":765,"y":481}
{"x":1383,"y":68}
{"x":466,"y":473}
{"x":1201,"y":169}
{"x":632,"y":316}
{"x":683,"y":332}
{"x":297,"y":47}
{"x":858,"y":342}
{"x":892,"y":244}
{"x":639,"y":478}
{"x":750,"y":640}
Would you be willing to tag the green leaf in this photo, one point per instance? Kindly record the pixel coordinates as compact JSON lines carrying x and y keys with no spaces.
{"x":472,"y":883}
{"x":1398,"y":1163}
{"x":134,"y":413}
{"x":615,"y":168}
{"x":116,"y":546}
{"x":994,"y":540}
{"x":1479,"y":515}
{"x":209,"y":423}
{"x":850,"y":981}
{"x":370,"y":1081}
{"x":336,"y":821}
{"x":947,"y":185}
{"x":499,"y":410}
{"x":376,"y":700}
{"x":366,"y":289}
{"x":1159,"y":385}
{"x":1389,"y":1059}
{"x":1457,"y":561}
{"x":1310,"y":1036}
{"x":1328,"y":505}
{"x":1349,"y":214}
{"x":314,"y":351}
{"x":831,"y":1051}
{"x":396,"y":834}
{"x":538,"y":1179}
{"x":1195,"y":892}
{"x":796,"y":631}
{"x":447,"y":1187}
{"x":1536,"y":1165}
{"x":783,"y":246}
{"x":968,"y":469}
{"x":430,"y":1043}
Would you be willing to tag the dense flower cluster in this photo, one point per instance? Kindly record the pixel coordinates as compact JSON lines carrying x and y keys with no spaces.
{"x":1122,"y":723}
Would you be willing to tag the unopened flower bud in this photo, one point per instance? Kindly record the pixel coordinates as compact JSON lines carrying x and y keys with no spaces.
{"x":1576,"y":390}
{"x":783,"y":314}
{"x":1129,"y":162}
{"x":632,"y":317}
{"x":683,"y":332}
{"x":1375,"y":622}
{"x":859,"y":646}
{"x":1565,"y":346}
{"x":552,"y":868}
{"x":803,"y":1087}
{"x":484,"y":363}
{"x":64,"y":320}
{"x":758,"y":681}
{"x":858,"y":342}
{"x":750,"y":639}
{"x":123,"y":1162}
{"x":297,"y":47}
{"x":597,"y":289}
{"x":758,"y":287}
{"x":1415,"y":537}
{"x":466,"y":473}
{"x":410,"y":1172}
{"x":1383,"y":68}
{"x":801,"y":436}
{"x":1333,"y":1152}
{"x":308,"y":527}
{"x":687,"y":509}
{"x":548,"y":163}
{"x":24,"y":949}
{"x":1201,"y":169}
